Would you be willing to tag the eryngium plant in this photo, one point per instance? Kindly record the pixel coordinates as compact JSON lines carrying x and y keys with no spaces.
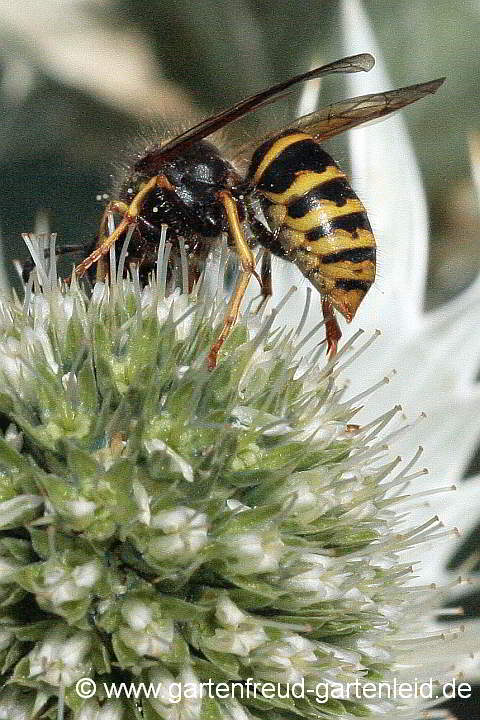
{"x":161,"y":523}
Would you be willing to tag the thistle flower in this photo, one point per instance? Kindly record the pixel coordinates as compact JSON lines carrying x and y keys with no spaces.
{"x":175,"y":527}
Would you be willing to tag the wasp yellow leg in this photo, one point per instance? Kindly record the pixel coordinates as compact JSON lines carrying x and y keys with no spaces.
{"x":230,"y":317}
{"x":266,"y":278}
{"x":130,"y":216}
{"x":247,"y":260}
{"x":331,"y":326}
{"x":242,"y":249}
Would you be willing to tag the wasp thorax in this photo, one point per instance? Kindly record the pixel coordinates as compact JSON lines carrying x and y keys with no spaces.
{"x":190,"y":205}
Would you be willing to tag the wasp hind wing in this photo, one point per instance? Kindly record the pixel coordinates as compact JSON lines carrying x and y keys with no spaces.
{"x":346,"y":114}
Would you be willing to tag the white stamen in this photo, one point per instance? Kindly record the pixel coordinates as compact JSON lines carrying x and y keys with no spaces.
{"x":412,"y":462}
{"x":306,"y":310}
{"x":381,"y":422}
{"x":123,"y":254}
{"x":221,"y":269}
{"x":184,"y":265}
{"x":52,"y":275}
{"x":37,"y":254}
{"x":163,"y":276}
{"x":395,"y":434}
{"x":340,"y":368}
{"x":160,"y":261}
{"x":366,"y":393}
{"x":28,"y":292}
{"x":18,"y":268}
{"x":303,"y":341}
{"x":113,"y":270}
{"x":110,"y":222}
{"x":285,"y":299}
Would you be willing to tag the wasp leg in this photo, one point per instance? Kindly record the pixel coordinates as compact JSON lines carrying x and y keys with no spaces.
{"x":230,"y":317}
{"x":129,"y":217}
{"x":266,"y":276}
{"x":114,"y":206}
{"x":331,"y":326}
{"x":248,"y":269}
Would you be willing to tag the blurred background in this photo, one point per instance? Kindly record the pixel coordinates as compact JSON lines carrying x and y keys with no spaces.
{"x":81,"y":81}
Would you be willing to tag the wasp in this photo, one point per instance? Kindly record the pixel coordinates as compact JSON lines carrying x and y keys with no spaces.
{"x":293,"y":200}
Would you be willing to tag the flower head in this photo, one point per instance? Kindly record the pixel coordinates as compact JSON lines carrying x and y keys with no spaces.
{"x":183,"y":526}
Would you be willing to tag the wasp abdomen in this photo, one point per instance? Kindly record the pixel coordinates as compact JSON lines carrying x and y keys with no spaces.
{"x":316,"y":217}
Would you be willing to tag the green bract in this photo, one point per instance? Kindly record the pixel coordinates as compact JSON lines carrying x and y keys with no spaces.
{"x":166,"y":524}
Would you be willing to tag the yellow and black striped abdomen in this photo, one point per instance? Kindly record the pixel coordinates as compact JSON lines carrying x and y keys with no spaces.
{"x":317,"y":219}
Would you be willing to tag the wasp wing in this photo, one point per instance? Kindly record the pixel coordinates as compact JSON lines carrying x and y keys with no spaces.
{"x":355,"y":63}
{"x":346,"y":114}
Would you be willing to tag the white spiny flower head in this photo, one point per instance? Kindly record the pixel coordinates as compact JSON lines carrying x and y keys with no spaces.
{"x":219,"y":524}
{"x":172,"y":525}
